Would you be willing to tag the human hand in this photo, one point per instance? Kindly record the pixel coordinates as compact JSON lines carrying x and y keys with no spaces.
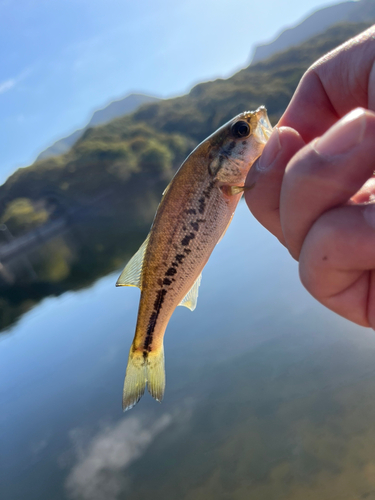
{"x":313,"y":184}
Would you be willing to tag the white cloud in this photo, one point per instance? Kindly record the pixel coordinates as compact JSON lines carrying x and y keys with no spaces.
{"x":99,"y":471}
{"x":12,"y":82}
{"x":7,"y":85}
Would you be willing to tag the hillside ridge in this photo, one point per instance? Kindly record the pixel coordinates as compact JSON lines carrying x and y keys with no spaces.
{"x":114,"y":109}
{"x":104,"y":191}
{"x":315,"y":23}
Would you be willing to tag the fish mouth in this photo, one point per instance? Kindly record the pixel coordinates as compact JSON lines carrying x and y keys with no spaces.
{"x":263,"y":130}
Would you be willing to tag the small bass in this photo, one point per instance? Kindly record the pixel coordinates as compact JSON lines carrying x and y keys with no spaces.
{"x":194,"y":213}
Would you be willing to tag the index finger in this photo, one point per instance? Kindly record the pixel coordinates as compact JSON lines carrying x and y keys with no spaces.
{"x":340,"y":81}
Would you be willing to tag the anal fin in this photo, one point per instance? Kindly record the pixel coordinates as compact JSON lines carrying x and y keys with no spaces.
{"x":191,"y":298}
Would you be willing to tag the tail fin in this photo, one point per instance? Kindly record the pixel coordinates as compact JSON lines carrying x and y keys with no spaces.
{"x":156,"y":374}
{"x":140,"y":370}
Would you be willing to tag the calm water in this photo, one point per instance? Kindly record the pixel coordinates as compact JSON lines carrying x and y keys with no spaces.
{"x":269,"y":396}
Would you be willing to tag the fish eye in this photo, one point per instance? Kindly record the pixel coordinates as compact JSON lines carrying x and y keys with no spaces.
{"x":241,"y":129}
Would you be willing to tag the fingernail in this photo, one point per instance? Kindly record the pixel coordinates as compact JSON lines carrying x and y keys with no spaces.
{"x":344,"y":135}
{"x":271,"y":150}
{"x":369,"y":215}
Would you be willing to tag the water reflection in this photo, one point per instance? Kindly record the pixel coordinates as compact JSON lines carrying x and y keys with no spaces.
{"x":67,"y":249}
{"x":99,"y":471}
{"x":268,"y":396}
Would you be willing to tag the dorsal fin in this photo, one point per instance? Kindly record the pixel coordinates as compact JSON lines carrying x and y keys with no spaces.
{"x":190,"y":299}
{"x":131,"y":275}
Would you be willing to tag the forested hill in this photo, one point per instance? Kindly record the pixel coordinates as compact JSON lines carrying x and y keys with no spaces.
{"x":317,"y":22}
{"x":103,"y":192}
{"x":113,"y":110}
{"x":156,"y":138}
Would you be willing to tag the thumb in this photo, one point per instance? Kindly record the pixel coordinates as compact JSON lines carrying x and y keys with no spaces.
{"x":326,"y":173}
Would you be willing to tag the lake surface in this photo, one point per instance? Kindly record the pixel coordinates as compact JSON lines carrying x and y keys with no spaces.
{"x":269,"y":395}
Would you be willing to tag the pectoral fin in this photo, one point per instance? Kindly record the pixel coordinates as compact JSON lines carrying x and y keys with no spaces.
{"x":191,"y":298}
{"x":131,"y":275}
{"x":240,"y":189}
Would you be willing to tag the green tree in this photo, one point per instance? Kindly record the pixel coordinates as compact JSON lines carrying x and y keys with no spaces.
{"x":156,"y":158}
{"x":21,"y":215}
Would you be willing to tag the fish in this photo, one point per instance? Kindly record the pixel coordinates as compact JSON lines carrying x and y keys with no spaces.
{"x":194,"y":213}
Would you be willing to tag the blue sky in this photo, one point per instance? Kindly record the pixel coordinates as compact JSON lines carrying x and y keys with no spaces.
{"x":62,"y":59}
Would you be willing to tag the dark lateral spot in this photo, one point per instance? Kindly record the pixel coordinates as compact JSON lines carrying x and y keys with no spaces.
{"x":207,"y":192}
{"x":201,"y":220}
{"x":191,"y":211}
{"x":232,"y":145}
{"x":325,"y":257}
{"x":243,"y":143}
{"x":187,"y":239}
{"x":180,"y":257}
{"x":160,"y":283}
{"x":150,"y":329}
{"x":160,"y":295}
{"x":184,"y":228}
{"x":153,"y":316}
{"x":148,"y":339}
{"x":159,"y":300}
{"x":194,"y":225}
{"x":187,"y":251}
{"x":174,"y":264}
{"x":202,"y":205}
{"x":171,"y":271}
{"x":167,"y":281}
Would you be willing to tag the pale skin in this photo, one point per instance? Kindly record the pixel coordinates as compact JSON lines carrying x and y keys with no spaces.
{"x":314,"y":187}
